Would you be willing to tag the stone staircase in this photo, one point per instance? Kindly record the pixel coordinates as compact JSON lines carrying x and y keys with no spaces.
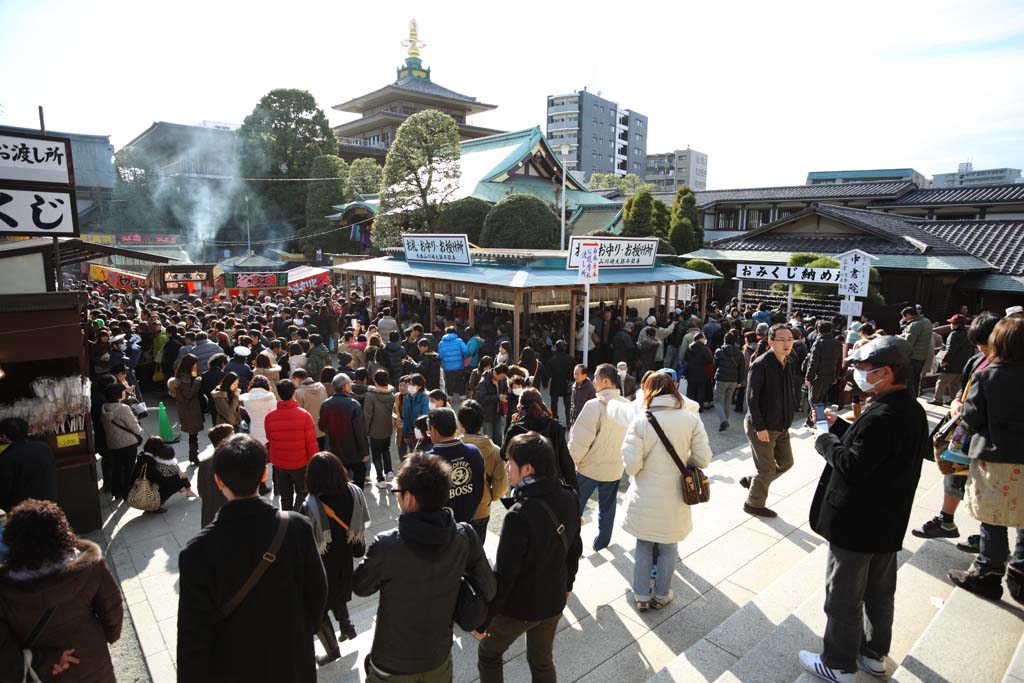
{"x":748,"y":595}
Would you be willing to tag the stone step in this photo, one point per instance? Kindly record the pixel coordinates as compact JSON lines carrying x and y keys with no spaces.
{"x":712,"y":655}
{"x":970,"y":640}
{"x":1015,"y":671}
{"x":920,"y":586}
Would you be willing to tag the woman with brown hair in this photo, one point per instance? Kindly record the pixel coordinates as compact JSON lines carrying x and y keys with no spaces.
{"x":534,"y":416}
{"x":57,"y":599}
{"x":186,"y":390}
{"x":267,"y":369}
{"x":655,"y":512}
{"x":226,"y":400}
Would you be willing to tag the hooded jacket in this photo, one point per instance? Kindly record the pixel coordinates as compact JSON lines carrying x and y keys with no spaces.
{"x":291,"y":436}
{"x":258,"y":403}
{"x":495,"y":479}
{"x":228,"y":408}
{"x":87,"y":616}
{"x":394,"y":352}
{"x":595,"y":441}
{"x":317,"y":358}
{"x":418,"y":568}
{"x":310,"y":395}
{"x":452,"y":351}
{"x":377,"y":406}
{"x":730,"y":366}
{"x":555,"y":433}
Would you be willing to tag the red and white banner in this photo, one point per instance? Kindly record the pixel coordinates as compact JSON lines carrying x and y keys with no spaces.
{"x":307,"y":278}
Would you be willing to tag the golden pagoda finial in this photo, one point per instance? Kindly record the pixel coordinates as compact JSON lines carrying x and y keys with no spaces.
{"x":413,"y":43}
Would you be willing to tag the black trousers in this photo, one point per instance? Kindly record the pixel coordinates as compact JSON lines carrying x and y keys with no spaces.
{"x":122,"y":462}
{"x":357,"y":472}
{"x":291,"y":487}
{"x":566,"y":400}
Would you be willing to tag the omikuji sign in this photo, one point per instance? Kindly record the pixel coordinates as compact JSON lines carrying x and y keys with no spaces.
{"x":450,"y":249}
{"x":615,"y":252}
{"x":749,"y":271}
{"x":37,"y":212}
{"x":37,"y":181}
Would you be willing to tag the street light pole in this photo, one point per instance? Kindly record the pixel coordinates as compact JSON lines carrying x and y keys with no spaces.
{"x":565,"y":173}
{"x":248,"y":232}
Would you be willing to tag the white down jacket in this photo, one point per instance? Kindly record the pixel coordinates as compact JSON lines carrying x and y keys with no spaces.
{"x":654,"y":507}
{"x":258,"y":403}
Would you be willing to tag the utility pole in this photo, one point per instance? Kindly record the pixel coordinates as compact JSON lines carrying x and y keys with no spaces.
{"x":248,"y":232}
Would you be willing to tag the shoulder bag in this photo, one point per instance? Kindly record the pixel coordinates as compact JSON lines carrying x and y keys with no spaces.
{"x":138,"y":437}
{"x":696,"y":487}
{"x":470,"y":605}
{"x":30,"y":675}
{"x":269,"y":557}
{"x":144,"y":494}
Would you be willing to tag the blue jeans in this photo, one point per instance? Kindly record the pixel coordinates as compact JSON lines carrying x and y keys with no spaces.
{"x":668,"y":554}
{"x":606,"y":502}
{"x":994,"y":549}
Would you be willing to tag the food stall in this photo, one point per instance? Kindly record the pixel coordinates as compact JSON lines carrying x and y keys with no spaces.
{"x":190,"y":278}
{"x":308,"y":278}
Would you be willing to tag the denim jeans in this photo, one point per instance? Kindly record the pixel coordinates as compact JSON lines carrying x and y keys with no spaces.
{"x":643,"y":558}
{"x":994,"y":549}
{"x":492,"y":428}
{"x":381,"y":452}
{"x":723,"y":399}
{"x":606,"y":502}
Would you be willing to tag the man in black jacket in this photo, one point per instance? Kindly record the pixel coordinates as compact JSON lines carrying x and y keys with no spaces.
{"x":341,"y":421}
{"x":418,"y":568}
{"x":862,"y":507}
{"x":955,"y":354}
{"x":769,"y":416}
{"x":216,"y":563}
{"x":559,"y":368}
{"x":428,"y":365}
{"x":582,"y":391}
{"x":824,"y":365}
{"x":538,"y":555}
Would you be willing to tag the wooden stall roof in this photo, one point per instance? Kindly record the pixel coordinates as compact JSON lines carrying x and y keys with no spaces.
{"x":73,"y":250}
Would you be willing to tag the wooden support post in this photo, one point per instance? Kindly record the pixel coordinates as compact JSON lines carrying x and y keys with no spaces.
{"x":430,"y":327}
{"x":471,"y":293}
{"x":572,"y":325}
{"x":527,"y":297}
{"x":397,"y":299}
{"x":622,"y":297}
{"x":515,"y":324}
{"x":373,"y":295}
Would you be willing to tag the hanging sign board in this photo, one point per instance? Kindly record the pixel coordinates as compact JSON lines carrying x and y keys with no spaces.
{"x":616,"y":252}
{"x":750,"y":271}
{"x":42,"y":212}
{"x":256,"y":280}
{"x":851,"y":307}
{"x":589,"y":262}
{"x":194,"y":276}
{"x":31,"y":158}
{"x":452,"y":250}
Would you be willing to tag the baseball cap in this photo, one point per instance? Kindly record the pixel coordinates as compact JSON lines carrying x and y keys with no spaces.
{"x":886,"y":350}
{"x":959,"y":318}
{"x":670,"y":372}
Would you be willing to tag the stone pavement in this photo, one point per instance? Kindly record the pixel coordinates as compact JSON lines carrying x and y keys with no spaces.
{"x":729,"y":558}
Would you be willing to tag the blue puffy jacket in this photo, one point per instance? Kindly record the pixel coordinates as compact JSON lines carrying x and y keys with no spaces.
{"x":452,"y":352}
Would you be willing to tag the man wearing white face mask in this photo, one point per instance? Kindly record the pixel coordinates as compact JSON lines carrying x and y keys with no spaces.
{"x":627,"y":383}
{"x":862,"y":507}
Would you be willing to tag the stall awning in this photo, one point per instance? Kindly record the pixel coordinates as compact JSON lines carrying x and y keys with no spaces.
{"x":73,"y":250}
{"x":305,"y":278}
{"x":523,"y":276}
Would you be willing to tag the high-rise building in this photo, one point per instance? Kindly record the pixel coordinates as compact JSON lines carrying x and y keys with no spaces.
{"x":966,"y":176}
{"x":602,"y":137}
{"x":668,"y":171}
{"x":878,"y":175}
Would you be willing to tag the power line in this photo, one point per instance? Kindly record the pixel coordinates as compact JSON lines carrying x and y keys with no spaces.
{"x":220,"y":243}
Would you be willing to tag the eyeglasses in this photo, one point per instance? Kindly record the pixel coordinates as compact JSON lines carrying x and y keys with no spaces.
{"x":397,"y":491}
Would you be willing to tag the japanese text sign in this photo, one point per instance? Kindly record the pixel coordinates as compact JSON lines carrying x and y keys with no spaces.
{"x":851,"y":307}
{"x":255,"y":280}
{"x":38,"y":212}
{"x":450,"y":249}
{"x":589,"y":260}
{"x":615,"y":252}
{"x":854,"y":272}
{"x":750,"y":271}
{"x":36,"y":159}
{"x":191,"y":276}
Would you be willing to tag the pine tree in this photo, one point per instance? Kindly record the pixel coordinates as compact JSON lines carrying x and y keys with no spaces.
{"x":685,"y":231}
{"x":638,"y":215}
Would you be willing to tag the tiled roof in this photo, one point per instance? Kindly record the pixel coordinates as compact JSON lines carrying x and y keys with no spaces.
{"x":430,"y":88}
{"x":883,"y":224}
{"x":943,"y":196}
{"x":816,"y":244}
{"x":829,"y":191}
{"x":885,"y":261}
{"x":1001,"y":243}
{"x":594,"y":218}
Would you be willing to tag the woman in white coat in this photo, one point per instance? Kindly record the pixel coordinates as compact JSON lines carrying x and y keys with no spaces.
{"x":654,"y":509}
{"x":258,"y":403}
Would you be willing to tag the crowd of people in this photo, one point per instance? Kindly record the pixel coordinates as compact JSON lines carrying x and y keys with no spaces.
{"x":308,"y":401}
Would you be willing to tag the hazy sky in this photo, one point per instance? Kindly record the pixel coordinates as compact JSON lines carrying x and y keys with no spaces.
{"x":770,"y":90}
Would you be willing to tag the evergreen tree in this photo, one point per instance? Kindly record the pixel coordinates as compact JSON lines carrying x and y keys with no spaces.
{"x":521,"y":221}
{"x":660,"y":219}
{"x":638,"y":215}
{"x":364,"y":176}
{"x":321,"y":198}
{"x":685,"y":231}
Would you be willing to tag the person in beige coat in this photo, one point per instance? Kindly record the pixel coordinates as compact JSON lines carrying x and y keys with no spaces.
{"x":310,"y":395}
{"x":595,"y":444}
{"x":471,"y":420}
{"x":654,"y":509}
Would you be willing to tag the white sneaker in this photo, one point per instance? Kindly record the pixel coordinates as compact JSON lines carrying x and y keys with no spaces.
{"x":875,"y":667}
{"x":812,"y":664}
{"x":389,"y":477}
{"x":658,"y":603}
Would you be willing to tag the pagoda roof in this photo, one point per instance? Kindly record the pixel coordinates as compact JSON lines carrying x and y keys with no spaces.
{"x":417,"y":89}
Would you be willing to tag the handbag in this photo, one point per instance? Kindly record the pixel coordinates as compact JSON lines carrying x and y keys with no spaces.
{"x":268,"y":558}
{"x":696,"y":486}
{"x":144,"y":494}
{"x":29,"y":675}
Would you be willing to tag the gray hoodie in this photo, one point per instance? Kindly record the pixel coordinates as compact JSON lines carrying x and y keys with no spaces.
{"x":120,"y":424}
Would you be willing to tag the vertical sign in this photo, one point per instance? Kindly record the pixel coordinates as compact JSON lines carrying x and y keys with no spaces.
{"x":588,"y":262}
{"x":854,"y":271}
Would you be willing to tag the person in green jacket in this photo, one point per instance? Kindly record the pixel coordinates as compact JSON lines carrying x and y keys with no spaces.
{"x":917,"y":330}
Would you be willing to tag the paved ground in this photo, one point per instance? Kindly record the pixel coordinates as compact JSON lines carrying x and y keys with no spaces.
{"x":728,"y":559}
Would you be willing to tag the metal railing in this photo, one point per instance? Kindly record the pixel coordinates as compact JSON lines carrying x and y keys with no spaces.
{"x":357,"y":142}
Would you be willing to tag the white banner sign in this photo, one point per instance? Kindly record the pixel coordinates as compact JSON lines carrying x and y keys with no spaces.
{"x":38,"y":213}
{"x":35,"y":159}
{"x":448,"y":249}
{"x":854,"y":271}
{"x":589,"y":260}
{"x":749,"y":271}
{"x":616,"y":252}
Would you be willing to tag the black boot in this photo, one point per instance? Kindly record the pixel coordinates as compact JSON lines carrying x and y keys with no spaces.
{"x":325,"y":634}
{"x":1015,"y":583}
{"x":983,"y":582}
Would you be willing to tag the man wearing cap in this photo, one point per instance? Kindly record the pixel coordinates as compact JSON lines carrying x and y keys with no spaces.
{"x":955,"y":354}
{"x":341,"y":419}
{"x":917,"y":330}
{"x":862,"y":508}
{"x":239,"y":365}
